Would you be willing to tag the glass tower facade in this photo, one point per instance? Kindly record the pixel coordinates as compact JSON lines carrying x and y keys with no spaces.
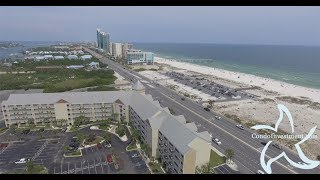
{"x":103,"y":40}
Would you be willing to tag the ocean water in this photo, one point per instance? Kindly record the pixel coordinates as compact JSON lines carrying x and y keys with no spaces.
{"x":5,"y":53}
{"x":299,"y":65}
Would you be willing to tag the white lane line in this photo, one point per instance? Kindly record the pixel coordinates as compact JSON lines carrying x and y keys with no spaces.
{"x":95,"y":166}
{"x":81,"y":167}
{"x":89,"y":167}
{"x":228,"y":133}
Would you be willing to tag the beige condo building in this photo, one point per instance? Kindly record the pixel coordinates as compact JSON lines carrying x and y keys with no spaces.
{"x":178,"y":145}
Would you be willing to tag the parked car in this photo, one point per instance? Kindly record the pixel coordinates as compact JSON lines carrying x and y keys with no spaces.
{"x":109,"y":159}
{"x":240,"y":126}
{"x":21,"y":161}
{"x":217,"y":141}
{"x":182,"y":98}
{"x":207,"y":109}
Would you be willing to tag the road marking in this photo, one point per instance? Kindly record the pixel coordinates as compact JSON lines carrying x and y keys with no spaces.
{"x":227,"y":132}
{"x":68,"y":166}
{"x":81,"y":167}
{"x":88,"y":167}
{"x":95,"y":167}
{"x":61,"y":165}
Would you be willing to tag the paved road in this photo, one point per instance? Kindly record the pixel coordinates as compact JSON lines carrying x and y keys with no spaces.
{"x":247,"y":150}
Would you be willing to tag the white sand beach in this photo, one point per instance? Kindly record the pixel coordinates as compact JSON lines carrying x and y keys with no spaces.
{"x":304,"y":107}
{"x":282,"y":88}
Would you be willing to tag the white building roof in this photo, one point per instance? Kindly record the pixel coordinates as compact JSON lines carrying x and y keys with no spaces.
{"x":93,"y":64}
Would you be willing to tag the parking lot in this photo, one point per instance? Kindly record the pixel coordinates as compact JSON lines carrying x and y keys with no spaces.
{"x":49,"y":151}
{"x":220,"y":92}
{"x":94,"y":161}
{"x":40,"y":152}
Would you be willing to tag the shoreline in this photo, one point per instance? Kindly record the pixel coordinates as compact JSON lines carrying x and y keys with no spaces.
{"x":283,"y":88}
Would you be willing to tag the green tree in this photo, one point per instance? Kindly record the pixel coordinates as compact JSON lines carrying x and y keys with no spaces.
{"x":91,"y":138}
{"x":107,"y":137}
{"x":81,"y":120}
{"x":229,"y":153}
{"x":146,"y":149}
{"x":205,"y":169}
{"x":135,"y":135}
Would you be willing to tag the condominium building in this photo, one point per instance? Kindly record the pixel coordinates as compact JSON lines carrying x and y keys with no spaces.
{"x":103,"y":40}
{"x":139,"y":57}
{"x":117,"y":50}
{"x":125,"y":48}
{"x":178,"y":145}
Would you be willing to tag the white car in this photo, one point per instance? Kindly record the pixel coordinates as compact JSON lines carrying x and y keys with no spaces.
{"x":217,"y":141}
{"x":240,"y":126}
{"x":21,"y":161}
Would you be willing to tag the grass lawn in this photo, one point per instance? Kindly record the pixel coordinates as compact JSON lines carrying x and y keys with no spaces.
{"x":37,"y":169}
{"x":215,"y":159}
{"x":97,"y":140}
{"x":156,"y":168}
{"x":132,"y":146}
{"x":104,"y":127}
{"x":75,"y":153}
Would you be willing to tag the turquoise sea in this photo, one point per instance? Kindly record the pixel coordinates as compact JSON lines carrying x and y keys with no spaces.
{"x":299,"y":65}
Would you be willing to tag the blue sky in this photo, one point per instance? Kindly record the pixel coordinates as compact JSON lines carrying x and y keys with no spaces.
{"x":236,"y":25}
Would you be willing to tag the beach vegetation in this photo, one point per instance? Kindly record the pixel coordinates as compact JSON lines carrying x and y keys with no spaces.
{"x":233,"y":117}
{"x":54,"y":79}
{"x":103,"y":88}
{"x":140,"y":69}
{"x":267,"y":100}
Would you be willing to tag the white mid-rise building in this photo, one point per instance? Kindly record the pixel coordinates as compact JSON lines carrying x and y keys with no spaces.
{"x":117,"y":50}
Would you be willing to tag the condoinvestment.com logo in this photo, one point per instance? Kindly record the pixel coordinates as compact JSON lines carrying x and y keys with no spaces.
{"x":281,"y":136}
{"x":307,"y":163}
